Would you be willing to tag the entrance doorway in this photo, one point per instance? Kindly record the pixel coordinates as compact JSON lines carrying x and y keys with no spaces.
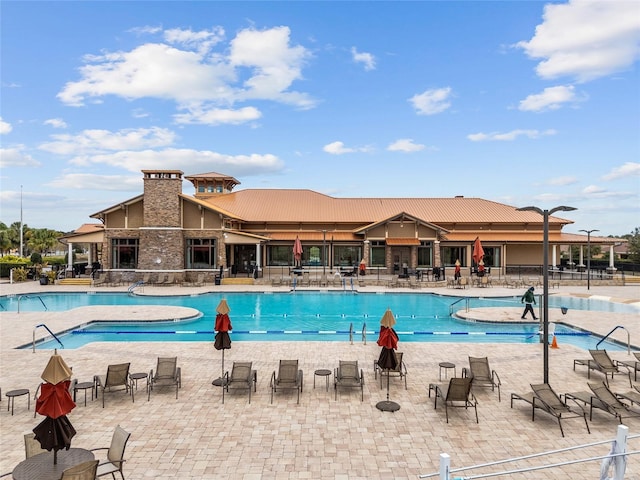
{"x":241,"y":259}
{"x":400,"y":257}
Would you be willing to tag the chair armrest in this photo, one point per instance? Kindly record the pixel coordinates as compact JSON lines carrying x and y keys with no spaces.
{"x":466,"y":372}
{"x":272,"y":382}
{"x":494,"y":374}
{"x":403,"y":366}
{"x":179,"y":376}
{"x":96,"y":449}
{"x":361,"y":377}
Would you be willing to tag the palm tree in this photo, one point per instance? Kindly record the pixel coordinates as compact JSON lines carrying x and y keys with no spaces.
{"x":42,"y":240}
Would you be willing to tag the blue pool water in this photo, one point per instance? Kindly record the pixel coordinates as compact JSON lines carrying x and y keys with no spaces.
{"x":311,"y":316}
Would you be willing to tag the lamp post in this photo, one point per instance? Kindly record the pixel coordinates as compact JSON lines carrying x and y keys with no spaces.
{"x":545,"y":275}
{"x":589,"y":232}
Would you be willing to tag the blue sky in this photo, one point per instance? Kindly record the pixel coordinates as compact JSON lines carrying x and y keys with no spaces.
{"x":523,"y":103}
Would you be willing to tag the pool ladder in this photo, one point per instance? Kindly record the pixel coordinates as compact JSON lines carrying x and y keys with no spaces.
{"x":364,"y":333}
{"x":50,"y":333}
{"x":466,"y":305}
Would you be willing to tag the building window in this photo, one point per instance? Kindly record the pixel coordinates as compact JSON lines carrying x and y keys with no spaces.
{"x":347,"y":255}
{"x":491,"y":256}
{"x":280,"y":255}
{"x":378,"y":250}
{"x":124,"y":253}
{"x":201,"y":253}
{"x":201,"y":188}
{"x":425,"y":254}
{"x":451,"y":254}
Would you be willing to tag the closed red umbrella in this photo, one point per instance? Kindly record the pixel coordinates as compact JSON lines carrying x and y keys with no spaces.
{"x":55,"y":431}
{"x":388,"y":340}
{"x":222,"y":340}
{"x":478,"y":251}
{"x":297,"y":251}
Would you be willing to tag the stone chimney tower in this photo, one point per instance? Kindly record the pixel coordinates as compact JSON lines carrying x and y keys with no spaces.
{"x":161,"y":233}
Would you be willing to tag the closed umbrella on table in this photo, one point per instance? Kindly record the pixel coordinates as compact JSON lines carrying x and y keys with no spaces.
{"x":222,"y":340}
{"x":55,"y":431}
{"x":388,"y":340}
{"x":478,"y":251}
{"x":297,"y":252}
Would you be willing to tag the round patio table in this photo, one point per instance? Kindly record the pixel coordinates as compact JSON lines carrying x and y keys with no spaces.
{"x":41,"y":467}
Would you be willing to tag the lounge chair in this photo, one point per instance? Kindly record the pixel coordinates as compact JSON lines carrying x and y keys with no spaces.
{"x":631,"y":364}
{"x":82,"y":471}
{"x":602,"y":362}
{"x":276,"y":281}
{"x":348,"y":375}
{"x":167,"y":374}
{"x":116,"y":379}
{"x":413,"y":282}
{"x":305,"y":281}
{"x":242,"y":377}
{"x":610,"y":402}
{"x":482,"y":374}
{"x":115,"y":454}
{"x":289,"y":377}
{"x":399,"y":371}
{"x":458,"y":395}
{"x":161,"y":280}
{"x":394,"y":282}
{"x":544,"y":398}
{"x":323,"y":281}
{"x":31,"y":445}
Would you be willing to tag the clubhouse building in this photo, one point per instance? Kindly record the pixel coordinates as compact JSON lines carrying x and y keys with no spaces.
{"x":252,"y":233}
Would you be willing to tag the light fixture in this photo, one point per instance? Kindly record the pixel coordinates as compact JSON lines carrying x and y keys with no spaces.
{"x":545,"y":275}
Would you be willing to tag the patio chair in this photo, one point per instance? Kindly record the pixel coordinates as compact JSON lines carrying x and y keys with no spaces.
{"x":82,"y":471}
{"x":162,"y":278}
{"x":115,"y":454}
{"x":610,"y":402}
{"x":602,"y":362}
{"x":305,"y":281}
{"x":631,"y":364}
{"x":276,"y":281}
{"x":482,"y":374}
{"x":458,"y":395}
{"x":289,"y":377}
{"x":101,"y":279}
{"x":348,"y":375}
{"x":413,"y":282}
{"x":167,"y":374}
{"x":399,"y":371}
{"x":242,"y":377}
{"x":31,"y":445}
{"x":116,"y":379}
{"x":323,"y":281}
{"x":394,"y":282}
{"x":545,"y":399}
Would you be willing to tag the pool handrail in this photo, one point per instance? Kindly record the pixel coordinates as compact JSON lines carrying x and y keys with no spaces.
{"x":50,"y":333}
{"x":466,"y":307}
{"x":613,"y":330}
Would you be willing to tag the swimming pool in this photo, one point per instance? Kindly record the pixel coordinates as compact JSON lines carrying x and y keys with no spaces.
{"x":310,"y":316}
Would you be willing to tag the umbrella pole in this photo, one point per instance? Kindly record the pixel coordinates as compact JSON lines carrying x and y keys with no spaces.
{"x":219,"y":382}
{"x":387,"y":405}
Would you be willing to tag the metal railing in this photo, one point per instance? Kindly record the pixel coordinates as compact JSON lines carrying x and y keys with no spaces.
{"x":50,"y":333}
{"x":613,"y":330}
{"x":466,"y":305}
{"x":20,"y":297}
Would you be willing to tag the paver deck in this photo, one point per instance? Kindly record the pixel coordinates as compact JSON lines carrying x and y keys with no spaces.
{"x":197,"y":437}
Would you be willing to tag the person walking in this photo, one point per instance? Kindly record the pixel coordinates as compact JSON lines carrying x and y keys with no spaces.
{"x":529,"y":300}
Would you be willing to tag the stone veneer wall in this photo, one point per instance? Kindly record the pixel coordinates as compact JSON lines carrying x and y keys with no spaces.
{"x":164,"y":244}
{"x":162,"y":202}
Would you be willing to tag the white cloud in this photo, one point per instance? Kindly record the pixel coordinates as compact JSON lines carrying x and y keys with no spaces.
{"x":367,"y":59}
{"x":87,"y":181}
{"x":92,"y":141}
{"x":627,"y":170}
{"x":551,"y":98}
{"x":563,"y":181}
{"x":592,"y":189}
{"x":56,"y":123}
{"x":255,"y":65}
{"x":509,"y":136}
{"x":186,"y":160}
{"x":5,"y":127}
{"x":405,"y":145}
{"x":16,"y":157}
{"x":337,"y":148}
{"x":218,"y":116}
{"x":585,"y":40}
{"x":432,"y":101}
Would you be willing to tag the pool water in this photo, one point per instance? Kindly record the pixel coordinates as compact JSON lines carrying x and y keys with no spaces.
{"x":312,"y":316}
